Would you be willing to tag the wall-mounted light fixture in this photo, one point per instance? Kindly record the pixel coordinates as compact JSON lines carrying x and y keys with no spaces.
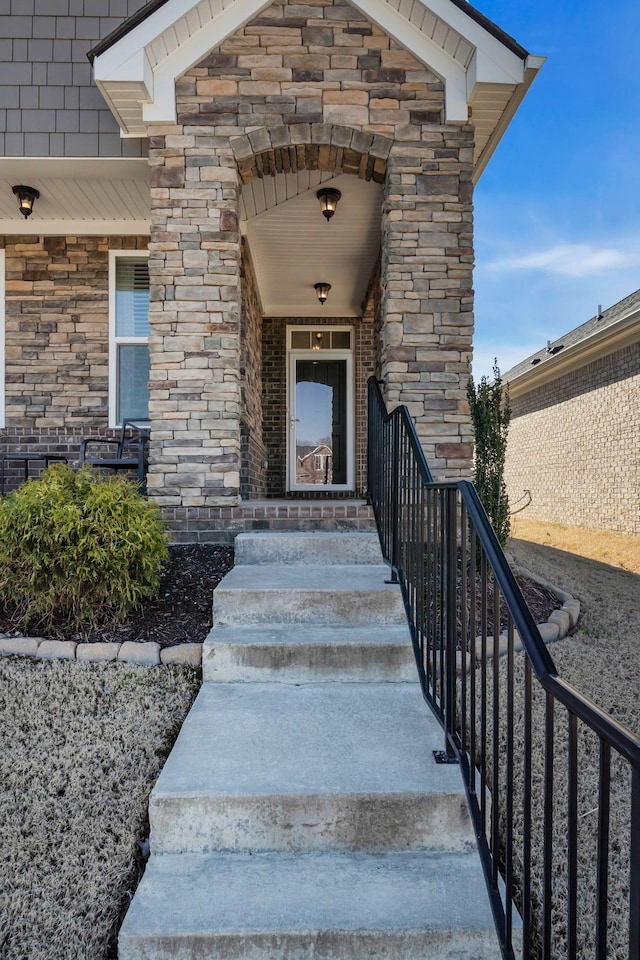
{"x":26,"y":198}
{"x":328,"y":198}
{"x":322,"y":291}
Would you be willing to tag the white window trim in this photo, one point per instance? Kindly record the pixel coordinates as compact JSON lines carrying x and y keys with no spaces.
{"x":3,"y":324}
{"x":328,"y":354}
{"x":113,"y":342}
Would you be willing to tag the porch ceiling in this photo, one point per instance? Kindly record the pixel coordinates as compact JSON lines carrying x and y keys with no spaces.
{"x":88,"y":196}
{"x":293,"y":247}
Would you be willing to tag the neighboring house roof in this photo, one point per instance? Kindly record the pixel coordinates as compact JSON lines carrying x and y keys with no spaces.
{"x":604,"y":333}
{"x":485,"y":72}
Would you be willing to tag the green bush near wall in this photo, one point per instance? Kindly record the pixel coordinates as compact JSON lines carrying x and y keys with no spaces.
{"x":78,"y":550}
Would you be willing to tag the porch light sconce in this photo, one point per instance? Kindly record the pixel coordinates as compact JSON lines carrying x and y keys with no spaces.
{"x":26,"y":198}
{"x":328,"y":198}
{"x":322,"y":291}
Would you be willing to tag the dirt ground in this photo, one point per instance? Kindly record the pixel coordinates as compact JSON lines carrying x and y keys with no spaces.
{"x":617,"y":550}
{"x":601,"y":655}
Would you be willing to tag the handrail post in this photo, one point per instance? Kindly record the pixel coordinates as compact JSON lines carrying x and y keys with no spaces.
{"x":452,"y":627}
{"x":395,"y":497}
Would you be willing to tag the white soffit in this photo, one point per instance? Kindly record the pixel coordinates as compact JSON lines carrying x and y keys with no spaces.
{"x":293,"y":246}
{"x":84,"y":195}
{"x":137,"y":73}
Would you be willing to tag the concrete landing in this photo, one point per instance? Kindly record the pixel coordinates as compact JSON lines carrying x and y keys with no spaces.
{"x":310,"y":767}
{"x":313,"y":907}
{"x":305,"y":653}
{"x":308,"y":548}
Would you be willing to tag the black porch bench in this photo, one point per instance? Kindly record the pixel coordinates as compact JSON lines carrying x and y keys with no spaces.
{"x":131,"y":450}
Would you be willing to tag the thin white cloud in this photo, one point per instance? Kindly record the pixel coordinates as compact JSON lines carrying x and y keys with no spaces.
{"x":571,"y":259}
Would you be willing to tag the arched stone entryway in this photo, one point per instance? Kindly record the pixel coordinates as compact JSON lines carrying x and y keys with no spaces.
{"x":378,"y":114}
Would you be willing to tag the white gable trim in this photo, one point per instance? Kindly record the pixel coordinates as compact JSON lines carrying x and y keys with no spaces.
{"x":163,"y":105}
{"x":137,"y":73}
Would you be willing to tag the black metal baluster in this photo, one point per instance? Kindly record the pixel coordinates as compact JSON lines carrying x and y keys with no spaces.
{"x":634,"y":866}
{"x":602,"y":863}
{"x":547,"y":844}
{"x":572,"y":838}
{"x":526,"y":815}
{"x":508,"y":780}
{"x":495,"y":733}
{"x":451,"y":619}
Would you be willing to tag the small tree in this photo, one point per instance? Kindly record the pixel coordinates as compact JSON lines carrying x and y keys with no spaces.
{"x":490,"y":415}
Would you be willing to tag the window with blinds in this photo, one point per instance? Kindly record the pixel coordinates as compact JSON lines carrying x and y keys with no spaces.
{"x":130,"y":352}
{"x":132,"y":298}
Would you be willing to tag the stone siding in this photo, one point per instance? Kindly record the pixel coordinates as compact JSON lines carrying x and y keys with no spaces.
{"x":575,"y":444}
{"x":57,"y":341}
{"x":317,"y":86}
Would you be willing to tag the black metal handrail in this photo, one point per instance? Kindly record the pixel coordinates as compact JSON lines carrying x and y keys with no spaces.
{"x":555,"y":806}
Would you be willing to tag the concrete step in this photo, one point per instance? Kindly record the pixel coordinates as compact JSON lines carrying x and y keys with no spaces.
{"x":309,"y":548}
{"x":401,"y":906}
{"x":325,"y":766}
{"x":351,"y":595}
{"x":306,"y":653}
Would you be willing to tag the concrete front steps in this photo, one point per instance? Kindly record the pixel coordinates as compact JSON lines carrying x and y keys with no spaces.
{"x":301,"y":813}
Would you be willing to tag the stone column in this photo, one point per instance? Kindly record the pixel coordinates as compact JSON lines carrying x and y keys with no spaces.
{"x":427,"y":307}
{"x":194,"y":269}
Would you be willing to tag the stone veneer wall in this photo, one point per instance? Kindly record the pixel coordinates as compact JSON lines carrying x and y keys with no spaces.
{"x":319,"y":75}
{"x":253,"y":452}
{"x":57,"y":341}
{"x":575,"y":444}
{"x":275,"y":395}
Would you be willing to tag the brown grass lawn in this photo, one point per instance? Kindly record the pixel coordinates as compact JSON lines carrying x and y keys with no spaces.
{"x":80,"y":748}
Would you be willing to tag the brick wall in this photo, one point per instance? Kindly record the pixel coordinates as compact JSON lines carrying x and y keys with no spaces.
{"x":253,"y":452}
{"x":575,"y":444}
{"x":274,"y":397}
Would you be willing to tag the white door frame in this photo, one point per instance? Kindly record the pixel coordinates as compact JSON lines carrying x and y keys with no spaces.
{"x":293,"y":355}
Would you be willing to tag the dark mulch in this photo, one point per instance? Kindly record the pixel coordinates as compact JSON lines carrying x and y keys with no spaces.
{"x":182,"y":610}
{"x":180,"y":613}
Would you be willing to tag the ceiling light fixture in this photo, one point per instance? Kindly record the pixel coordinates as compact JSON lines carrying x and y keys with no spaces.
{"x":322,"y":291}
{"x":26,"y":198}
{"x":328,"y":198}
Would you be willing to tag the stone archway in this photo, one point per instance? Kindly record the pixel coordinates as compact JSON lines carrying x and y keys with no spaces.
{"x":339,"y":154}
{"x":313,"y":146}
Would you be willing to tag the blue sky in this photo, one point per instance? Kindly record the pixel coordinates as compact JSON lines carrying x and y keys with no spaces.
{"x":557,"y":210}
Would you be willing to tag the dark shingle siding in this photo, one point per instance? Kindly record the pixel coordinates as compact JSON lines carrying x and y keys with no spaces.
{"x":49,"y":105}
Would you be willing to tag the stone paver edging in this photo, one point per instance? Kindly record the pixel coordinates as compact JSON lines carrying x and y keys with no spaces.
{"x":148,"y":654}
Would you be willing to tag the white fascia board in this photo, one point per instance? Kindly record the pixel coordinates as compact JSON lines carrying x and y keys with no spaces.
{"x":532,"y":66}
{"x":472,"y":31}
{"x":609,"y":340}
{"x":81,"y":228}
{"x":482,"y":69}
{"x":107,"y":64}
{"x":424,"y":49}
{"x":162,"y":106}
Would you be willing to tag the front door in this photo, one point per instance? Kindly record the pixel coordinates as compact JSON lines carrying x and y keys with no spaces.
{"x":320,"y":399}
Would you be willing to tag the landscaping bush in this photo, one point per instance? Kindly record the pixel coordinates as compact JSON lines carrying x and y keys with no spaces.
{"x":490,"y":415}
{"x":78,"y":549}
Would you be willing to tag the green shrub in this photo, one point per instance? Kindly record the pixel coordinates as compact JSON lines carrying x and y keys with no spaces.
{"x":78,"y":550}
{"x":491,"y":415}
